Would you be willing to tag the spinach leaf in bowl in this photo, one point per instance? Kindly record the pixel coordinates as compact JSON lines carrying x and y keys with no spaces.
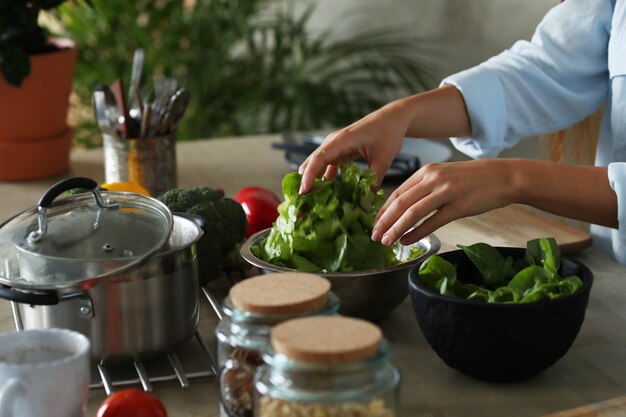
{"x":503,"y":279}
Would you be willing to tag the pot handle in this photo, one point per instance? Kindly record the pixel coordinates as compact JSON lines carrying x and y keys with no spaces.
{"x":56,"y":190}
{"x":65,"y":185}
{"x":40,"y":299}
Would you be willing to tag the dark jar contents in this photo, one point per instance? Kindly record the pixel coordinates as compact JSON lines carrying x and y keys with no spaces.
{"x":327,"y":367}
{"x":252,"y":307}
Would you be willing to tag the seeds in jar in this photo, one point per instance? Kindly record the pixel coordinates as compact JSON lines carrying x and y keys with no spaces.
{"x":273,"y":407}
{"x":237,"y":382}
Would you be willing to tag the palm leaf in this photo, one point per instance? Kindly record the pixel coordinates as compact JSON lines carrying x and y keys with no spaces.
{"x":252,"y":66}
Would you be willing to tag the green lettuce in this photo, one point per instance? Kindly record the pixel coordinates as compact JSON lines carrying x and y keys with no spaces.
{"x":328,"y":229}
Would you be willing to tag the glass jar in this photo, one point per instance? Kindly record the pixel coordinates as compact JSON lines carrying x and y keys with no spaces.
{"x":364,"y":388}
{"x":242,"y":338}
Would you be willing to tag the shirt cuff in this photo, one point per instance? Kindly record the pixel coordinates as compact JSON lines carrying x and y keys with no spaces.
{"x":617,"y":180}
{"x":484,"y":101}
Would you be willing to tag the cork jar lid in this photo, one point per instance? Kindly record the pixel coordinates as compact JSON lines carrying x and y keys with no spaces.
{"x":281,"y":293}
{"x":326,"y":339}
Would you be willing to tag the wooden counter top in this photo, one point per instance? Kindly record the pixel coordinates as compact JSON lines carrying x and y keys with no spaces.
{"x":593,"y":370}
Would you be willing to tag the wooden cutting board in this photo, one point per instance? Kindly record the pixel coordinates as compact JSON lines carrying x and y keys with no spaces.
{"x":512,"y":226}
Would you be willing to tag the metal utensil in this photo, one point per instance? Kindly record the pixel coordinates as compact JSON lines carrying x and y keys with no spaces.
{"x":164,"y":88}
{"x":135,"y":75}
{"x":96,"y":115}
{"x":165,"y":92}
{"x":100,"y":113}
{"x":175,"y":110}
{"x":112,"y":111}
{"x":145,"y":122}
{"x":134,"y":97}
{"x":117,"y":88}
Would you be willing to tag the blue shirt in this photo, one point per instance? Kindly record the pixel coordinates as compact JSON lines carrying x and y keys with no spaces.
{"x":574,"y":63}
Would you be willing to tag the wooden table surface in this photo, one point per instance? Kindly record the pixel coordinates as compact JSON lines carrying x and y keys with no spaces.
{"x":593,"y":370}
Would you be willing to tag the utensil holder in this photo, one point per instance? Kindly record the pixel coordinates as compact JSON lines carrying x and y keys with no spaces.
{"x":150,"y":162}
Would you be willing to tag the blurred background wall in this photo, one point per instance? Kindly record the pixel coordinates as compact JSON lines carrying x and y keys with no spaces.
{"x":270,"y":66}
{"x":464,"y":32}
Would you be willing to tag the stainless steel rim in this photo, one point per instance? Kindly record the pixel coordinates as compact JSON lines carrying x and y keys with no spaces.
{"x":431,"y":243}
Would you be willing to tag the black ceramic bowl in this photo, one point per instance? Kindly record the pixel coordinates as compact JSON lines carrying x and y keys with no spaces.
{"x":499,"y":342}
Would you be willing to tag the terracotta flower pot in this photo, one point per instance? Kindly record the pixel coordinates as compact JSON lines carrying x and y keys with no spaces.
{"x":37,"y":158}
{"x":36,"y":112}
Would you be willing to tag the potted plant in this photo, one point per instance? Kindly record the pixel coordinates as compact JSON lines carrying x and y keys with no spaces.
{"x":36,"y":72}
{"x":253,"y":66}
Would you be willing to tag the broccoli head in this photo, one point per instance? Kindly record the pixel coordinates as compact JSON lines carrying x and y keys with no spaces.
{"x":181,"y":199}
{"x":234,"y":216}
{"x":225,"y":225}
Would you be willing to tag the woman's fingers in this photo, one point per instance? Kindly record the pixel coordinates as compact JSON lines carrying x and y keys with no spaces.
{"x":380,"y":168}
{"x":403,"y":215}
{"x":440,"y":193}
{"x":324,"y":160}
{"x":377,"y":138}
{"x":402,"y":189}
{"x":331,"y":172}
{"x":439,"y":219}
{"x":436,"y":190}
{"x":316,"y":164}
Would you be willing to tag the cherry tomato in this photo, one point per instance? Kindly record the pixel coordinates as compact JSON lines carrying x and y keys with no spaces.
{"x":260,"y":206}
{"x":131,"y":403}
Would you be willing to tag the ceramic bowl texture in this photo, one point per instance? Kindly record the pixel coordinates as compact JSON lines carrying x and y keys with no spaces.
{"x":370,"y":295}
{"x":499,"y":342}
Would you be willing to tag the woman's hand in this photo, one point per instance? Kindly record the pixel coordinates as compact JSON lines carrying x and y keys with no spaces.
{"x":440,"y":193}
{"x":377,"y":138}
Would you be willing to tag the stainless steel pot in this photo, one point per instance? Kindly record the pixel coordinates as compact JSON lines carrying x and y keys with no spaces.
{"x":149,"y":309}
{"x":139,"y":309}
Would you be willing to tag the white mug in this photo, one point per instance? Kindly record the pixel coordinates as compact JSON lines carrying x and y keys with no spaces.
{"x":44,"y":372}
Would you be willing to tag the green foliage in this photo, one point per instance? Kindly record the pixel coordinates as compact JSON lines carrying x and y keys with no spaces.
{"x":21,"y":36}
{"x":492,"y":266}
{"x":535,"y":278}
{"x":329,"y":228}
{"x":252,"y":66}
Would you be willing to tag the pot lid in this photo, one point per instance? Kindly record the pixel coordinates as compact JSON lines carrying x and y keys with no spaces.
{"x":81,"y":238}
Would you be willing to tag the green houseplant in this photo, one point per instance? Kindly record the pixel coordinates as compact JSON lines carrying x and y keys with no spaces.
{"x":36,"y":72}
{"x":252,"y":66}
{"x":21,"y":35}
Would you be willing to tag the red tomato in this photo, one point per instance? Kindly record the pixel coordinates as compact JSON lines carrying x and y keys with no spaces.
{"x":131,"y":403}
{"x":260,"y":206}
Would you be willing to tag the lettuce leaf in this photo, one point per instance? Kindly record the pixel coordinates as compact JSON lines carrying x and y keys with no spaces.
{"x":328,"y":229}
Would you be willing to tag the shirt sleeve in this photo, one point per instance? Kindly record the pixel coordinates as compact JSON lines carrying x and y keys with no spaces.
{"x":538,"y":86}
{"x":617,"y":180}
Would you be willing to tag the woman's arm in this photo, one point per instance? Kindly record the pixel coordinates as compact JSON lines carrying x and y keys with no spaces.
{"x":573,"y":191}
{"x":440,"y":193}
{"x":439,"y":113}
{"x":378,"y":137}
